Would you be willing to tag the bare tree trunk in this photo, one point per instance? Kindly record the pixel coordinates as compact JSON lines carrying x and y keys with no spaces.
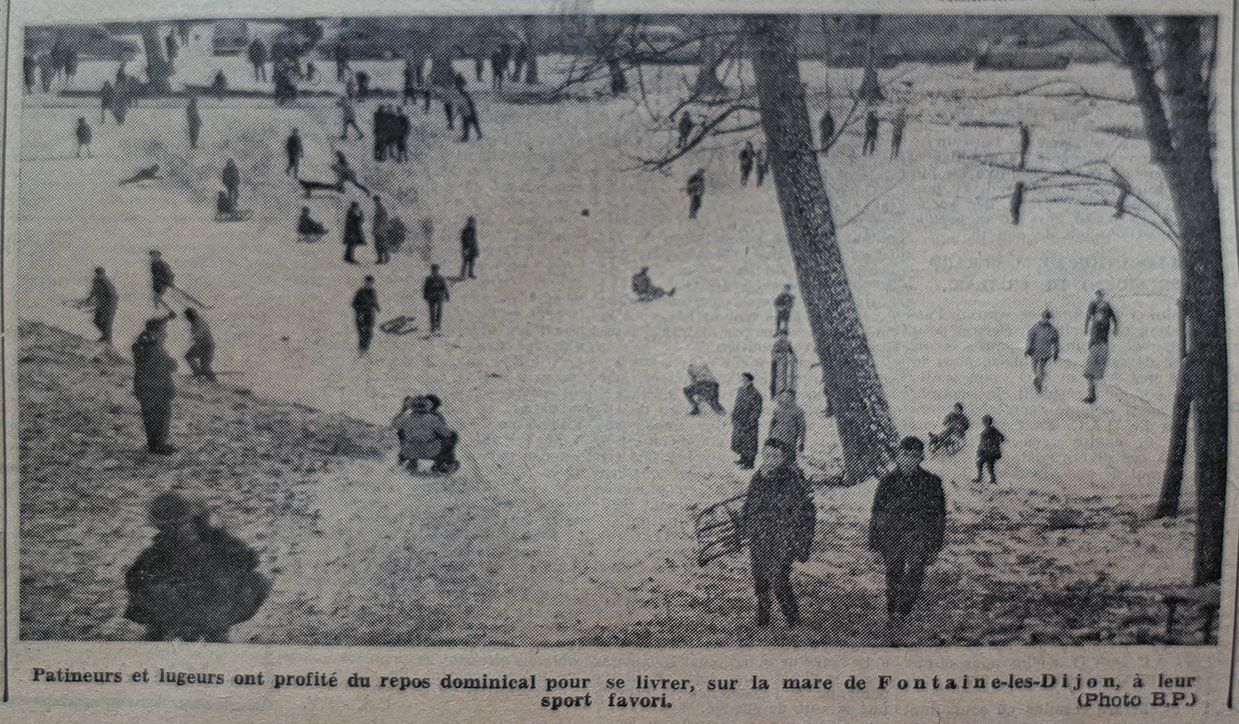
{"x":531,"y":42}
{"x":870,"y":90}
{"x":158,"y":69}
{"x":1172,"y":478}
{"x":713,"y":52}
{"x":1183,"y":146}
{"x":866,"y":432}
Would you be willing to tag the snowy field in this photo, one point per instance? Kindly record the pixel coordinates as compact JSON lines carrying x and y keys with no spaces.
{"x":566,"y":389}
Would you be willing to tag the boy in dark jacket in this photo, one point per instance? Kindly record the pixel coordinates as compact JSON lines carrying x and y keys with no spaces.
{"x":195,"y":580}
{"x":365,"y":304}
{"x":434,"y":291}
{"x":746,"y":422}
{"x":990,"y":449}
{"x":906,"y":529}
{"x":779,"y":520}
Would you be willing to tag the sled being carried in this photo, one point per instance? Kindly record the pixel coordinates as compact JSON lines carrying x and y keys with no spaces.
{"x":719,"y":530}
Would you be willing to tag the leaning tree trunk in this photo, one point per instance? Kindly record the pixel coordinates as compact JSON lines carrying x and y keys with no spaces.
{"x":531,"y":41}
{"x":1182,"y":144}
{"x":1172,"y":478}
{"x":866,"y":432}
{"x":158,"y":69}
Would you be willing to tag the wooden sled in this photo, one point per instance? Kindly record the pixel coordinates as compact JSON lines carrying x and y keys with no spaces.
{"x":719,"y":530}
{"x":310,"y":238}
{"x":310,"y":186}
{"x":399,"y":326}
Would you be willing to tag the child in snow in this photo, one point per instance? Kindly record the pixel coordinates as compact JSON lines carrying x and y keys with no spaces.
{"x":990,"y":449}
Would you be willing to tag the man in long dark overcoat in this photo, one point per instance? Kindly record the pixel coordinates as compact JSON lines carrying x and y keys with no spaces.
{"x":153,"y":384}
{"x":746,"y":423}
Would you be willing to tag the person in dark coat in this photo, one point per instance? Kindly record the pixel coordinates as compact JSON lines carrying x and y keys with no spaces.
{"x":201,"y":351}
{"x":365,"y":304}
{"x":193,"y":120}
{"x":232,"y":180}
{"x":763,"y":167}
{"x":104,"y":299}
{"x":434,"y":291}
{"x":219,"y":85}
{"x":1025,"y":143}
{"x":1042,"y":347}
{"x":990,"y":449}
{"x":258,"y":58}
{"x":827,"y":126}
{"x":779,"y":521}
{"x":645,"y":289}
{"x":1097,"y":325}
{"x":468,"y":114}
{"x":153,"y":384}
{"x":468,"y":247}
{"x":196,"y":580}
{"x":378,"y":230}
{"x":162,"y":280}
{"x":783,"y":309}
{"x":354,"y":236}
{"x":907,"y":526}
{"x":747,"y":156}
{"x":746,"y":423}
{"x":685,"y":128}
{"x":307,"y":226}
{"x":295,"y":151}
{"x":402,"y":136}
{"x":898,"y":123}
{"x":696,"y":188}
{"x":106,"y":95}
{"x":83,"y":137}
{"x":871,"y":134}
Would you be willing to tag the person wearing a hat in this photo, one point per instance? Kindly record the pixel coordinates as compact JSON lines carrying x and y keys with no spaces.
{"x":424,"y":435}
{"x":153,"y":384}
{"x":1042,"y":347}
{"x":746,"y":422}
{"x":196,"y":580}
{"x":907,"y":526}
{"x":778,"y":519}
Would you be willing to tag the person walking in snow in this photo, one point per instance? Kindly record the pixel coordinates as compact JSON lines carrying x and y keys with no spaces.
{"x":365,"y":304}
{"x":747,"y":156}
{"x":696,"y":188}
{"x":685,"y":128}
{"x":746,"y":423}
{"x":258,"y":57}
{"x":1042,"y":347}
{"x":83,"y":137}
{"x":872,"y":124}
{"x":990,"y":449}
{"x":468,"y":247}
{"x":763,"y":166}
{"x":1097,"y":325}
{"x":897,"y":125}
{"x":162,"y":280}
{"x":434,"y":291}
{"x":294,"y":149}
{"x":779,"y":521}
{"x":354,"y":236}
{"x":104,"y":299}
{"x":232,"y":181}
{"x":783,"y":310}
{"x":907,"y":527}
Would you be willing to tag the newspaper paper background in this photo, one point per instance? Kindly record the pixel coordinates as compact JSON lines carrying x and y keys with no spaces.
{"x":614,"y":195}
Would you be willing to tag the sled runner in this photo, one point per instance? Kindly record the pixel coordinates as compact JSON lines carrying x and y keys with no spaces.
{"x":240,"y":215}
{"x":399,"y":326}
{"x":718,"y":530}
{"x":310,"y":186}
{"x":944,"y":444}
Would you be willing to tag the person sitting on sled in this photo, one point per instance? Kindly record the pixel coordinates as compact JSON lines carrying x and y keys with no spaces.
{"x":307,"y":227}
{"x":954,"y":427}
{"x":424,"y":435}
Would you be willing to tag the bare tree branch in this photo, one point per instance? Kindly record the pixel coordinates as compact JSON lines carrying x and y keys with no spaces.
{"x":1097,"y":36}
